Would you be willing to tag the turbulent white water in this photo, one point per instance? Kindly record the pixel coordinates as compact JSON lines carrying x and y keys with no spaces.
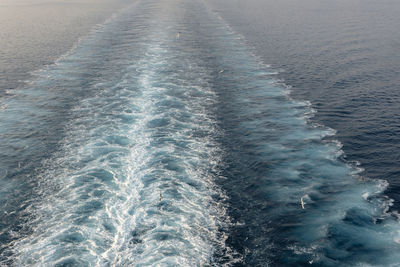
{"x":132,"y":181}
{"x":172,"y":144}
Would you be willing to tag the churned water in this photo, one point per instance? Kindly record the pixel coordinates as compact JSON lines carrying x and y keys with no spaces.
{"x":164,"y":139}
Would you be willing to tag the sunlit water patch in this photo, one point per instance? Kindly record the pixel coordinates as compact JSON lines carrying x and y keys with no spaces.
{"x":162,"y":139}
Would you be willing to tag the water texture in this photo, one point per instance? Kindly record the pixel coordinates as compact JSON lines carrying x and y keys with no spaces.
{"x":162,"y":139}
{"x":344,"y":57}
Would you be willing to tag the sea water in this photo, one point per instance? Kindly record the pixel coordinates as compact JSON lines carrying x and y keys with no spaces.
{"x":164,"y":139}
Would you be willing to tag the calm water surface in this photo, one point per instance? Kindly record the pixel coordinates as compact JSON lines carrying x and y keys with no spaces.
{"x":35,"y":33}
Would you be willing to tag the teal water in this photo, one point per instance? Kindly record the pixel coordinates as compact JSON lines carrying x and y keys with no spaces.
{"x":163,"y":138}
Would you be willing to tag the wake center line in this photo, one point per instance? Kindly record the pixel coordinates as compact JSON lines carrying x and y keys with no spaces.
{"x":155,"y":136}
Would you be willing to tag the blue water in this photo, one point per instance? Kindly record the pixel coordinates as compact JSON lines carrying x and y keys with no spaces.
{"x":164,"y":139}
{"x":344,"y":57}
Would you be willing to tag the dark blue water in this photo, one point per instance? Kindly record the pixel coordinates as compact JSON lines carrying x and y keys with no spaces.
{"x":164,"y":138}
{"x":343,"y":57}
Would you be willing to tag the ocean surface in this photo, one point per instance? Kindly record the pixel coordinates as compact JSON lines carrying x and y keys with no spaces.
{"x":35,"y":33}
{"x":202,"y":133}
{"x":344,"y":57}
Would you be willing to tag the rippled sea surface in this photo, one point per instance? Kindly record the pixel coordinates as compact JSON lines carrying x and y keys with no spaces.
{"x":165,"y":138}
{"x":344,"y":57}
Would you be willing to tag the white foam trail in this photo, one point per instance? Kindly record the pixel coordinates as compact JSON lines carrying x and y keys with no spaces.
{"x":135,"y":179}
{"x":133,"y":182}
